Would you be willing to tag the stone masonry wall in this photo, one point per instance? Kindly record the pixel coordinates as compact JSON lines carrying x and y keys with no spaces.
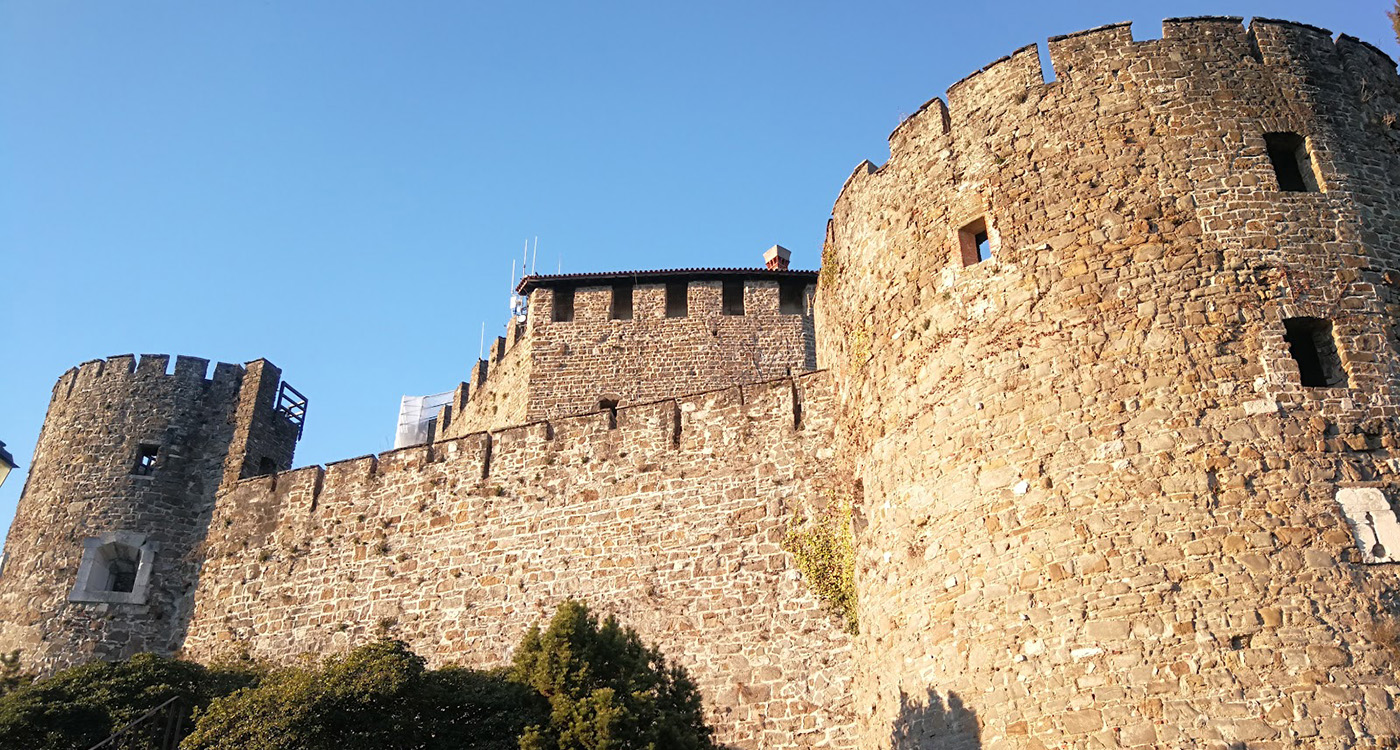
{"x":498,"y":394}
{"x":81,"y":485}
{"x":1099,"y":506}
{"x":577,"y":363}
{"x":672,"y":519}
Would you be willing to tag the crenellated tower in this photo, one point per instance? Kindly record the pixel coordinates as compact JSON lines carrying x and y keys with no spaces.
{"x":1116,"y":358}
{"x":99,"y":561}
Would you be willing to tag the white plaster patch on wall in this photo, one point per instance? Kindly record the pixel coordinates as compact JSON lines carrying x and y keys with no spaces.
{"x":1373,"y":523}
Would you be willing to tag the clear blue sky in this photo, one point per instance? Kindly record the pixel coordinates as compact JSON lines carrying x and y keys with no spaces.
{"x":341,"y":186}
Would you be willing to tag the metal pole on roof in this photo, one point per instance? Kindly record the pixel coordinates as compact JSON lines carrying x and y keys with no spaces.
{"x":481,"y":349}
{"x":535,"y":255}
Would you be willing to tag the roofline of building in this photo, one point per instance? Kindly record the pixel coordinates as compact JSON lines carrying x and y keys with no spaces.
{"x":657,"y":277}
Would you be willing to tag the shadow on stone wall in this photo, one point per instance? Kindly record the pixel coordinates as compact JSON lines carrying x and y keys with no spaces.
{"x":935,"y":723}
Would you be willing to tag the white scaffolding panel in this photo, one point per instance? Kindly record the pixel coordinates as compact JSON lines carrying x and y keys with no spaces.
{"x":415,"y":415}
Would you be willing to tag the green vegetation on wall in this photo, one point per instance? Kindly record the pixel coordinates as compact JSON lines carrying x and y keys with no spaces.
{"x":823,"y":545}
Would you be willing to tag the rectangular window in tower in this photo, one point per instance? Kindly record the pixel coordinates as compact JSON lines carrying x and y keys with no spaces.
{"x":145,"y":460}
{"x":563,"y":304}
{"x":622,"y":302}
{"x":790,"y":298}
{"x":1293,"y":166}
{"x":975,"y":242}
{"x":732,"y":298}
{"x":1312,"y":346}
{"x":677,"y":306}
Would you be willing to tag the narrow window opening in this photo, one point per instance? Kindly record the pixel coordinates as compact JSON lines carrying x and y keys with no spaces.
{"x":563,"y":304}
{"x":121,"y":574}
{"x":1312,"y":346}
{"x":622,"y":302}
{"x":1293,"y":167}
{"x":609,"y":405}
{"x":975,"y":242}
{"x":677,"y":304}
{"x":732,"y":298}
{"x":266,"y":466}
{"x":145,"y":460}
{"x":790,"y":298}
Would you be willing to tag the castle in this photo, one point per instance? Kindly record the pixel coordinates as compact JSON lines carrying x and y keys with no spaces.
{"x":1104,"y":358}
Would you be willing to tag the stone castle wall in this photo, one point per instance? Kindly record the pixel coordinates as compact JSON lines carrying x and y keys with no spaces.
{"x":498,"y":393}
{"x":546,"y":369}
{"x":1100,"y":509}
{"x":670,"y":515}
{"x":82,"y":486}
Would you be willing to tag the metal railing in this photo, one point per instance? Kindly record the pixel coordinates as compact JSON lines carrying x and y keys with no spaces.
{"x":292,"y":405}
{"x":157,"y":729}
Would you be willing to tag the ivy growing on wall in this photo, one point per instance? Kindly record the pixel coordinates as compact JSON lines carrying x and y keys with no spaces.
{"x":823,"y":545}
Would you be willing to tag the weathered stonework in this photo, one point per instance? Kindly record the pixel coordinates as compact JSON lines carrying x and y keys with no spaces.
{"x":82,"y":486}
{"x":547,"y":369}
{"x":1100,"y":507}
{"x":672,"y":519}
{"x":1112,"y":389}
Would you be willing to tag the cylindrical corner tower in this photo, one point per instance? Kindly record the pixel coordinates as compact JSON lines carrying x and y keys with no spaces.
{"x":100,"y":562}
{"x":1117,"y":355}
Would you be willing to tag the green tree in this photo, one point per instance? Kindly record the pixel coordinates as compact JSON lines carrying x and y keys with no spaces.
{"x":606,"y":689}
{"x":378,"y":696}
{"x":81,"y":706}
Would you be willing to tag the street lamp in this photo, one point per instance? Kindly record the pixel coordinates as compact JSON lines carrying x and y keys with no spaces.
{"x":7,"y":462}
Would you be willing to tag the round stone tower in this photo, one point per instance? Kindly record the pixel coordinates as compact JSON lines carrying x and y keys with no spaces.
{"x":100,"y":560}
{"x":1117,"y":359}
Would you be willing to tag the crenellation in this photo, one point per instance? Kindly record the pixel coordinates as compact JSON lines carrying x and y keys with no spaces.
{"x":1110,"y":406}
{"x":191,"y":368}
{"x":120,"y":365}
{"x":1009,"y":79}
{"x":1124,"y":348}
{"x":682,"y":543}
{"x":153,"y":365}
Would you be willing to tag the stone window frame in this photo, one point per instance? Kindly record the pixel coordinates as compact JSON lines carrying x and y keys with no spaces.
{"x":92,"y":565}
{"x":969,"y":249}
{"x":1313,"y":339}
{"x":1370,"y":517}
{"x":1290,"y":151}
{"x":147,"y":459}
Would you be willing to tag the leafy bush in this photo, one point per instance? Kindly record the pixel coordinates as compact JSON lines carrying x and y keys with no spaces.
{"x":79,"y":707}
{"x":606,"y":689}
{"x":378,"y":696}
{"x":575,"y":686}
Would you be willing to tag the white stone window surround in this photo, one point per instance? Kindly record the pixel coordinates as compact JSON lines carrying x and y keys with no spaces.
{"x":1373,"y":524}
{"x":93,"y":574}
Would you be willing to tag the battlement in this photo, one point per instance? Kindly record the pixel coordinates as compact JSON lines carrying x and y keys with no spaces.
{"x":668,"y":514}
{"x":149,"y":366}
{"x":706,"y":422}
{"x":633,"y":337}
{"x":1093,"y":58}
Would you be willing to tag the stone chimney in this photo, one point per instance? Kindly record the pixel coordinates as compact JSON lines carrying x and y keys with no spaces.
{"x":776,"y":258}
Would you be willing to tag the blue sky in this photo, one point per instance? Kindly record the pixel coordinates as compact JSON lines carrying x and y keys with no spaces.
{"x":341,"y":186}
